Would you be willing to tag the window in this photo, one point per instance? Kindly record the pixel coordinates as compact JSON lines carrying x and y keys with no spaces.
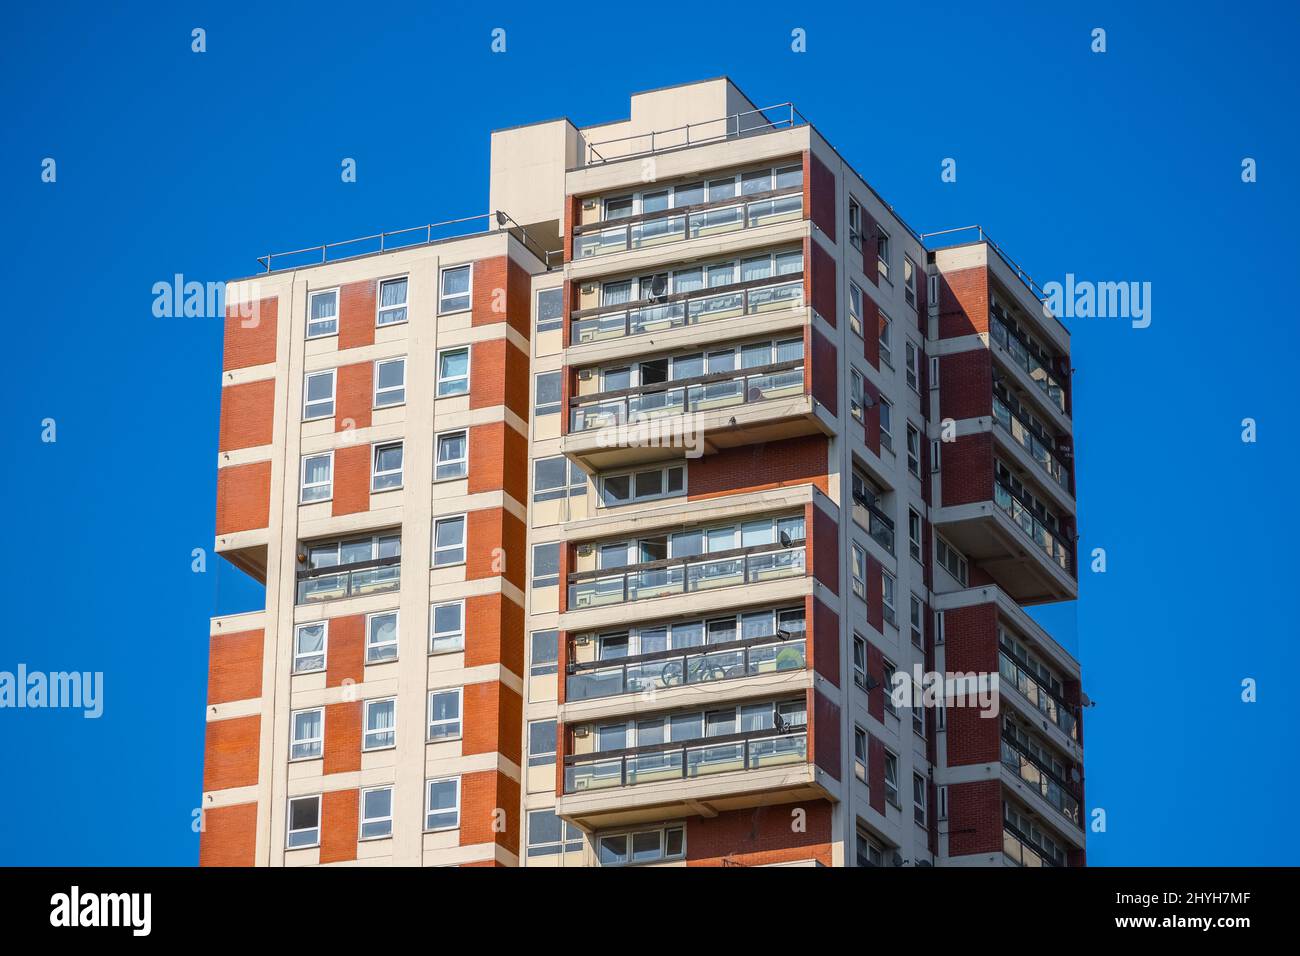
{"x":886,"y":352}
{"x":917,"y":611}
{"x":323,"y":314}
{"x":447,"y":627}
{"x":556,"y":477}
{"x":544,"y":655}
{"x":886,"y":424}
{"x":859,"y":572}
{"x":913,"y":450}
{"x":909,"y":281}
{"x":546,"y":393}
{"x":882,"y":253}
{"x":318,"y":395}
{"x":918,"y":718}
{"x":546,"y":565}
{"x":859,"y":661}
{"x":376,"y":813}
{"x":855,"y":308}
{"x":304,"y":822}
{"x":643,"y":485}
{"x":934,"y":457}
{"x":390,"y":382}
{"x":452,"y":456}
{"x":918,"y":798}
{"x":891,"y":778}
{"x":860,"y":753}
{"x":455,"y":290}
{"x":381,"y":724}
{"x":855,"y":224}
{"x":949,"y":559}
{"x":387,"y":471}
{"x":887,"y":671}
{"x":309,"y":647}
{"x":869,"y":851}
{"x":448,"y":541}
{"x":911,"y":361}
{"x":306,"y":733}
{"x":453,"y":372}
{"x":914,"y":534}
{"x":442,"y":804}
{"x":544,"y":834}
{"x":541,"y":743}
{"x":855,"y":393}
{"x":887,"y":585}
{"x":550,"y":309}
{"x":444,"y":713}
{"x":642,"y":846}
{"x":392,"y":302}
{"x":381,"y":637}
{"x":317,"y":478}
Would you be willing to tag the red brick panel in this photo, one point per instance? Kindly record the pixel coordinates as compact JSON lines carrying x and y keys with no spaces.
{"x":229,"y":836}
{"x":340,"y":822}
{"x":519,"y":299}
{"x":967,"y":469}
{"x":826,"y":733}
{"x":489,"y":291}
{"x":876,"y":671}
{"x":974,"y":818}
{"x":345,"y":651}
{"x":498,"y":459}
{"x":235,"y":666}
{"x":871,"y":320}
{"x":342,"y":751}
{"x":494,"y":632}
{"x":775,"y":834}
{"x":822,"y":282}
{"x":243,"y":497}
{"x":876,"y":772}
{"x":823,"y":371}
{"x":792,"y":461}
{"x":355,"y":396}
{"x":825,"y":547}
{"x":870,"y":247}
{"x":493,"y":718}
{"x":489,"y":810}
{"x":971,"y":647}
{"x":357,"y":314}
{"x":499,"y":376}
{"x":875,"y":595}
{"x":230,"y":753}
{"x":871,"y":416}
{"x":966,"y":385}
{"x":351,"y":479}
{"x":247,"y":415}
{"x":250,"y":339}
{"x":494,"y":546}
{"x":824,"y":649}
{"x":963,"y":302}
{"x":819,"y":194}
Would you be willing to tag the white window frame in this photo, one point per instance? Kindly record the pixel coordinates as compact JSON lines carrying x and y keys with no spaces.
{"x":376,"y":474}
{"x":428,"y":793}
{"x":912,"y":365}
{"x":856,"y":393}
{"x":552,"y":325}
{"x":324,"y":651}
{"x":882,"y":254}
{"x":885,"y":336}
{"x":380,"y":308}
{"x":366,"y":732}
{"x":364,"y":820}
{"x":889,"y":596}
{"x":855,"y":308}
{"x":942,"y":547}
{"x":886,"y":423}
{"x":859,"y":563}
{"x":913,"y":457}
{"x":633,"y":497}
{"x":891,"y":786}
{"x":434,"y":636}
{"x":860,"y":673}
{"x":333,"y":399}
{"x":887,"y":671}
{"x":311,"y":297}
{"x":914,"y":541}
{"x":860,"y":759}
{"x":468,"y":294}
{"x":370,"y":619}
{"x":328,"y":483}
{"x":464,"y":536}
{"x":917,"y":626}
{"x":442,"y":382}
{"x":855,"y":223}
{"x":628,"y":835}
{"x":439,"y":463}
{"x":294,"y":741}
{"x":379,"y":393}
{"x":920,"y":808}
{"x":288,"y":820}
{"x":909,"y":281}
{"x":458,"y":721}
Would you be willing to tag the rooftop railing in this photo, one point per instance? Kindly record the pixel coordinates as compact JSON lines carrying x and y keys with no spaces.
{"x":733,"y":126}
{"x":1011,"y":264}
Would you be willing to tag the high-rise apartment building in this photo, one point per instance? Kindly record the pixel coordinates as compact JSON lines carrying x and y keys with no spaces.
{"x":612,"y":533}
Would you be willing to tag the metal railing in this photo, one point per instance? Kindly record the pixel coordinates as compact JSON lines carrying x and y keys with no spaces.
{"x":701,"y":393}
{"x":688,"y":222}
{"x":701,"y":572}
{"x":1011,"y":264}
{"x":1051,"y":706}
{"x":731,"y":126}
{"x":702,"y":664}
{"x":1022,"y":851}
{"x":1027,"y":360}
{"x":769,"y":294}
{"x":685,"y":760}
{"x":1048,"y":787}
{"x":1028,"y":439}
{"x":879,"y":525}
{"x":1020,"y":513}
{"x":349,"y":580}
{"x":409,"y":238}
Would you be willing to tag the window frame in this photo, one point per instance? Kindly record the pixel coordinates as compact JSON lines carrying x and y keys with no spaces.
{"x":459,"y":633}
{"x":363,"y":819}
{"x":909,"y":281}
{"x":377,"y":392}
{"x":380,"y":308}
{"x":915,"y":533}
{"x":333,"y":374}
{"x":551,"y":325}
{"x":324,"y":651}
{"x":302,"y":479}
{"x":294,"y":741}
{"x":858,"y":570}
{"x":921,"y":806}
{"x":376,"y":474}
{"x":891,"y":786}
{"x":338,"y":300}
{"x":441,"y":380}
{"x":633,"y":498}
{"x":438,"y":462}
{"x":288,"y":823}
{"x":883,"y":253}
{"x":548,"y":408}
{"x":428,"y":801}
{"x":889,"y":596}
{"x":370,"y":618}
{"x":544,"y":758}
{"x":367,"y":732}
{"x":913,"y":457}
{"x":463,"y":547}
{"x":860,"y":671}
{"x":458,"y":721}
{"x":912,"y":365}
{"x":543,"y":668}
{"x":468,"y":294}
{"x":855,"y":311}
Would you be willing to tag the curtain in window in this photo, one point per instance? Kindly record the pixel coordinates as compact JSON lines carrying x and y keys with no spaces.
{"x":318,"y":470}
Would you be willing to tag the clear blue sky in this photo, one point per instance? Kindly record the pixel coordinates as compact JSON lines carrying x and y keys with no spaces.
{"x":1119,"y":166}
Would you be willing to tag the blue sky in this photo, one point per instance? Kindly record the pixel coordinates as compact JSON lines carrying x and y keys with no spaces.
{"x":1117,"y":166}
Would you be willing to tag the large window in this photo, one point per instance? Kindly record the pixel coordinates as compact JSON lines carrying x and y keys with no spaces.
{"x":950,"y":560}
{"x":452,"y":456}
{"x":642,"y":846}
{"x":303,"y":822}
{"x":546,"y":565}
{"x":549,"y":835}
{"x":307,"y":733}
{"x":390,"y":382}
{"x":541,"y":743}
{"x":545,"y":653}
{"x":392,"y":302}
{"x":376,"y":813}
{"x":323,"y":314}
{"x":550,"y":309}
{"x":447,"y":627}
{"x":381,"y":637}
{"x":646,"y":485}
{"x":309,"y":647}
{"x":444,"y":713}
{"x":442,"y":804}
{"x":317,"y":478}
{"x":386,"y":473}
{"x":547,"y":393}
{"x":453,"y":372}
{"x":318,"y":395}
{"x":454,"y":289}
{"x":556,"y":477}
{"x":380,"y":724}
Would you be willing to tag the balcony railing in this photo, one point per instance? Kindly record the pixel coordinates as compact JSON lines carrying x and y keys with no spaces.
{"x":1028,"y":361}
{"x":1027,"y":439}
{"x":686,"y":760}
{"x":1052,"y":707}
{"x":1049,"y":541}
{"x":688,"y":222}
{"x":704,"y":572}
{"x":880,"y":525}
{"x":349,"y":580}
{"x":1022,"y":851}
{"x":768,"y":294}
{"x":699,"y":394}
{"x":1051,"y":789}
{"x":676,"y":668}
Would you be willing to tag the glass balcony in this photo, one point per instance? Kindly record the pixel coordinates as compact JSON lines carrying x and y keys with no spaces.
{"x":353,"y":580}
{"x":688,"y":308}
{"x":1028,"y":361}
{"x":701,"y":394}
{"x":688,"y":222}
{"x":687,"y":760}
{"x":879,"y":525}
{"x":1047,"y":786}
{"x":678,"y":668}
{"x":1048,"y":541}
{"x":1022,"y":852}
{"x":1051,"y":706}
{"x":1027,"y":439}
{"x":754,"y":565}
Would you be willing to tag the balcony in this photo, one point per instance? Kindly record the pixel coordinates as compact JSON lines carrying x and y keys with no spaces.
{"x":349,"y":580}
{"x":1027,"y":769}
{"x":1050,"y":705}
{"x":662,"y":670}
{"x":1028,"y":361}
{"x":688,"y":222}
{"x":1028,"y":439}
{"x":868,"y":513}
{"x":716,"y":304}
{"x":1047,"y":541}
{"x":1019,"y":850}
